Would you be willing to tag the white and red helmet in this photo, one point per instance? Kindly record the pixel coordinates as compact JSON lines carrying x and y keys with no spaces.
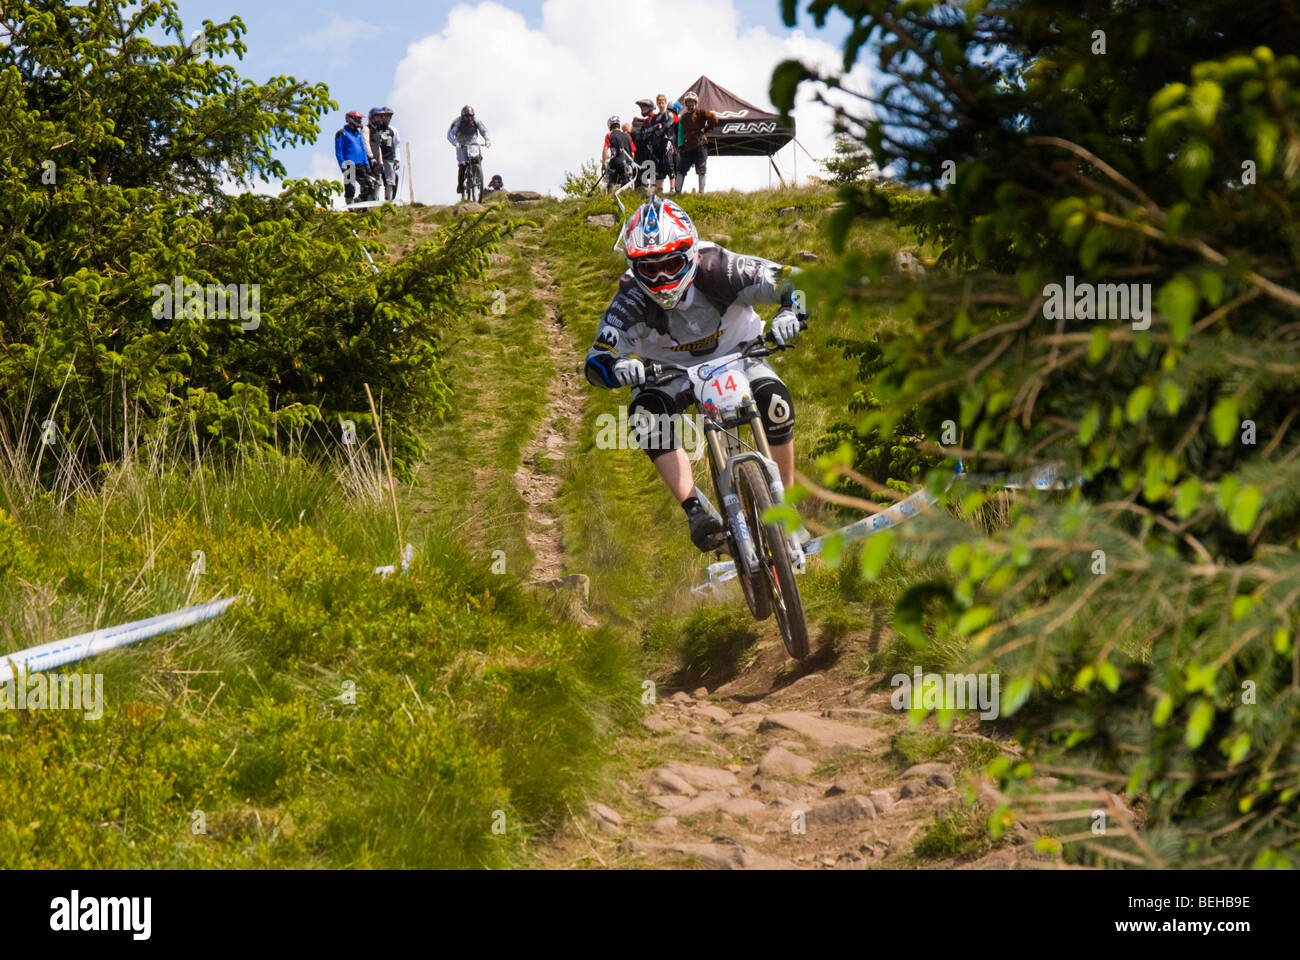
{"x":662,"y":250}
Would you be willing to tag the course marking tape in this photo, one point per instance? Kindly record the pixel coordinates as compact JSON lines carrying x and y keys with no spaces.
{"x":58,"y":653}
{"x":1045,"y":478}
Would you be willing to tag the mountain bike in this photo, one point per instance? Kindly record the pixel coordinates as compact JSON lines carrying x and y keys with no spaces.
{"x":747,"y":483}
{"x":472,"y":183}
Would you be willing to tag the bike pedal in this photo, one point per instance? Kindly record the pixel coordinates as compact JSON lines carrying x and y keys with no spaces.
{"x":798,"y":559}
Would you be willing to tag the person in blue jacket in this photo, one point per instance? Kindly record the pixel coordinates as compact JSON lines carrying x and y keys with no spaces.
{"x":352,"y":151}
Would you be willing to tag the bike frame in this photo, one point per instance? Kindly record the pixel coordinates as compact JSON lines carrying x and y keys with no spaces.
{"x":727,"y":453}
{"x":474,"y":164}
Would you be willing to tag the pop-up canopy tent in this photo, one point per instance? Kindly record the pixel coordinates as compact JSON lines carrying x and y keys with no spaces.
{"x":744,"y":130}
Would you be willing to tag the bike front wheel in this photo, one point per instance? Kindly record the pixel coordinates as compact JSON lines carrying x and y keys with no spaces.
{"x":776,"y":574}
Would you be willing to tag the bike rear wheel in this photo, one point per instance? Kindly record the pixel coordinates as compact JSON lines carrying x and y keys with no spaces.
{"x":776,"y":572}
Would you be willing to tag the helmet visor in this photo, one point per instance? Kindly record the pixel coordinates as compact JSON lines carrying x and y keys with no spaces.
{"x":654,"y":271}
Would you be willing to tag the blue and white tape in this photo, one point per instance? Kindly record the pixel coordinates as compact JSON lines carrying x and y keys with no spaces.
{"x":1046,"y":478}
{"x":58,"y":653}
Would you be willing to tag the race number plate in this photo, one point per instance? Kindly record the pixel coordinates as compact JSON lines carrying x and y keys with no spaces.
{"x":724,"y":392}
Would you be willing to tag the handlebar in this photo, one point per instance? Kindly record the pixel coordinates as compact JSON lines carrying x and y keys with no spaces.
{"x":757,"y":348}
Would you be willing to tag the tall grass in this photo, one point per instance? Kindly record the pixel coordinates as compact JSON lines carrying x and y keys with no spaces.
{"x":434,"y":718}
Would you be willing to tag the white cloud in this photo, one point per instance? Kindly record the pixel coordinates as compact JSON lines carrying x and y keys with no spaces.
{"x":336,"y":40}
{"x":544,"y":93}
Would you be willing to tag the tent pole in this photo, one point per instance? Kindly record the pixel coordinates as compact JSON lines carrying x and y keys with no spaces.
{"x":805,"y":150}
{"x":777,"y":169}
{"x":795,"y":159}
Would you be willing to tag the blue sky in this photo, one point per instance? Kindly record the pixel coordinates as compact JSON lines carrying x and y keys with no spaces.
{"x":424,"y":58}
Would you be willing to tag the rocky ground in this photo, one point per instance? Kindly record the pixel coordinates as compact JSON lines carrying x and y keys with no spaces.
{"x":783,"y":769}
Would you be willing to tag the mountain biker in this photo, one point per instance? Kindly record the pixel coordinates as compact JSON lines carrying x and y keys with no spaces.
{"x":694,"y":148}
{"x":462,"y":132}
{"x":384,"y":142}
{"x":618,"y":156}
{"x":683,"y":300}
{"x":352,"y":151}
{"x":495,"y":184}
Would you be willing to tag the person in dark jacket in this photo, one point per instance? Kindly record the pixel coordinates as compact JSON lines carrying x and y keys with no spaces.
{"x":352,"y":151}
{"x":659,"y":131}
{"x":384,"y":143}
{"x":618,"y":156}
{"x":641,"y":143}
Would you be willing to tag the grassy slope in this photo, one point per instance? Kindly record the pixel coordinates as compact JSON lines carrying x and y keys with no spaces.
{"x":469,"y":700}
{"x":473,"y":708}
{"x":620,"y":525}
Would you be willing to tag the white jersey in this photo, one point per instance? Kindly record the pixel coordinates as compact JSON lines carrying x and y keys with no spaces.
{"x":714,"y":317}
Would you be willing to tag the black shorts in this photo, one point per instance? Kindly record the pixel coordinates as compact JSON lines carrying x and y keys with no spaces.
{"x":698,"y":158}
{"x":662,"y":433}
{"x":665,"y":157}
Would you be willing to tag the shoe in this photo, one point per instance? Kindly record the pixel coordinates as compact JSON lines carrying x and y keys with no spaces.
{"x":796,"y":542}
{"x":707,"y":531}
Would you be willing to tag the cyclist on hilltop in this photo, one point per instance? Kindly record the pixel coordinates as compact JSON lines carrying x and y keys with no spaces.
{"x":462,"y":132}
{"x":683,"y":300}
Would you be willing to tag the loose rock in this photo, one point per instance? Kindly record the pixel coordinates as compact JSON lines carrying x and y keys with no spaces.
{"x":606,"y":818}
{"x":716,"y":714}
{"x":842,"y":810}
{"x":828,"y":733}
{"x":700,"y":742}
{"x":925,"y":769}
{"x":844,"y":785}
{"x":705,"y":778}
{"x":780,"y":762}
{"x":666,"y":779}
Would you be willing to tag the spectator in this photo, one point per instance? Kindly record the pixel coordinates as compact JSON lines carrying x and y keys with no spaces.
{"x":384,"y":142}
{"x":660,"y":134}
{"x":640,"y":141}
{"x":695,"y":148}
{"x":352,"y":151}
{"x":618,"y":156}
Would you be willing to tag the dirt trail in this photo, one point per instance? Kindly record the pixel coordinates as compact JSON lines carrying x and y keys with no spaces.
{"x":793,"y":766}
{"x":537,"y":479}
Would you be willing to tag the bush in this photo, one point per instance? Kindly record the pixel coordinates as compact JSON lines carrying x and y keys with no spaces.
{"x":101,"y":234}
{"x":1143,"y":623}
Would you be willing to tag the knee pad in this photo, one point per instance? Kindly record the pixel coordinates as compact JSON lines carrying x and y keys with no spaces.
{"x":776,"y":407}
{"x":653,"y":418}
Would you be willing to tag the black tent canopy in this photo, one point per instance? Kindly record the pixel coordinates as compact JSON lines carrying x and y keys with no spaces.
{"x":744,"y":130}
